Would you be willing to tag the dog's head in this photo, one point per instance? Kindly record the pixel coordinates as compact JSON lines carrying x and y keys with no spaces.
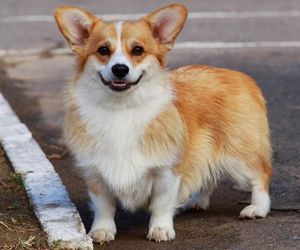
{"x":121,"y":53}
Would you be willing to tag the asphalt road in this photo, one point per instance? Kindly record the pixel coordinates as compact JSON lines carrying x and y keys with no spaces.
{"x":34,"y":87}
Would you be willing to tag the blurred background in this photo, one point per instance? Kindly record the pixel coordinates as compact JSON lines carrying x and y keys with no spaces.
{"x":258,"y":37}
{"x":29,"y":24}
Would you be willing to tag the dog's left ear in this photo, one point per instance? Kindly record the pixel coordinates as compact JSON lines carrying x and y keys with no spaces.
{"x":167,"y":22}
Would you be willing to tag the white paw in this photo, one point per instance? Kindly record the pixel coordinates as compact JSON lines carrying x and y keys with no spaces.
{"x":102,"y":235}
{"x":161,"y":234}
{"x":253,"y":212}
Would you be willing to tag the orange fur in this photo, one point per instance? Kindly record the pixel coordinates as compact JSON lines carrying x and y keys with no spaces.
{"x":93,"y":186}
{"x":138,"y":33}
{"x":75,"y":132}
{"x":225,"y":114}
{"x":167,"y":131}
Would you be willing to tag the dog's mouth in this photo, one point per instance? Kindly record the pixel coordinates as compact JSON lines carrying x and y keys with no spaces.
{"x":119,"y":85}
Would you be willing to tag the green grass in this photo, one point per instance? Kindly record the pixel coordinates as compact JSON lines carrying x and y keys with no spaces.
{"x":17,"y":180}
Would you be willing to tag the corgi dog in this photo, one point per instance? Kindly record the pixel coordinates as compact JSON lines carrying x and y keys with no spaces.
{"x":151,"y":138}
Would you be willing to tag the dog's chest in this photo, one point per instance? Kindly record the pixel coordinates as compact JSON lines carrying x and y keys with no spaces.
{"x":116,"y":155}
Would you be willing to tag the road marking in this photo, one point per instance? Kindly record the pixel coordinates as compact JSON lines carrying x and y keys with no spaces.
{"x":180,"y":45}
{"x":192,"y":15}
{"x":237,"y":45}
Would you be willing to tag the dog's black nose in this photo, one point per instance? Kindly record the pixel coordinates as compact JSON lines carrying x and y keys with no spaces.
{"x":120,"y":70}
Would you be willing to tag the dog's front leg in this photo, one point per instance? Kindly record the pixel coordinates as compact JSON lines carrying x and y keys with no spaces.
{"x":162,"y":205}
{"x":104,"y":204}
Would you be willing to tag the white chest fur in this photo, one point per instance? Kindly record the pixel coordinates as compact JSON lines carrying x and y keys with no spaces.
{"x":116,"y":155}
{"x":117,"y":129}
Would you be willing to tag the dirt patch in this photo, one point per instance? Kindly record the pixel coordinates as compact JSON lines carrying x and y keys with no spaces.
{"x":19,"y":228}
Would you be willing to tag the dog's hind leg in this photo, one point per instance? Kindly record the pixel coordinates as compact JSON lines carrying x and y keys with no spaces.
{"x":260,"y":199}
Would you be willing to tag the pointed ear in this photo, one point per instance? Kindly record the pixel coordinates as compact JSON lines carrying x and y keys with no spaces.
{"x":75,"y":24}
{"x":167,"y":22}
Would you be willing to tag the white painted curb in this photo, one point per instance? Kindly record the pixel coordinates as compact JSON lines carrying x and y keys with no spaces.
{"x":52,"y":205}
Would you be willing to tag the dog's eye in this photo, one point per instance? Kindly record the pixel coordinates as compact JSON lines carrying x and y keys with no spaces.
{"x":104,"y":51}
{"x":137,"y":51}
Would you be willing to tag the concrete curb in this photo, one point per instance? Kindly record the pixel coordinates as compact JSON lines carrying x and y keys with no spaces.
{"x":52,"y":205}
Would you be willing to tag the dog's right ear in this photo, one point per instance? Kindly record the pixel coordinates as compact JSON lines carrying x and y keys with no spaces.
{"x":75,"y":24}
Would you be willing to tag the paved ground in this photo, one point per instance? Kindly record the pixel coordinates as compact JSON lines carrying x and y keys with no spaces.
{"x":34,"y":86}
